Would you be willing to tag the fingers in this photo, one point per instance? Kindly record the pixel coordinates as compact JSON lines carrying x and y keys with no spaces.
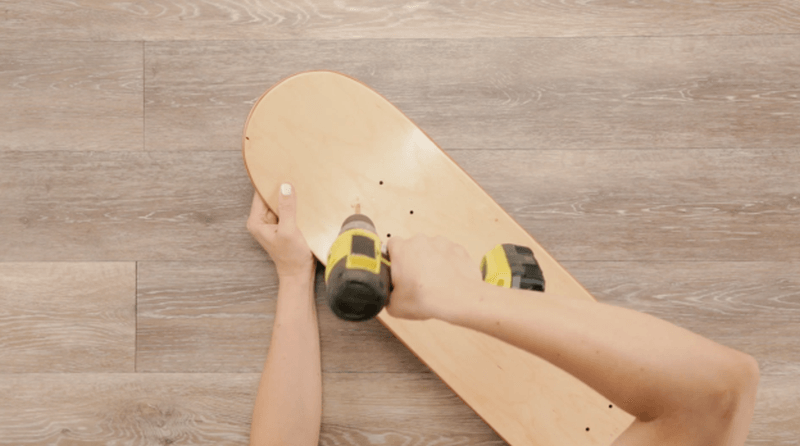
{"x":287,"y":205}
{"x":271,"y":218}
{"x":390,"y":245}
{"x":255,"y":220}
{"x":258,"y":208}
{"x":260,"y":214}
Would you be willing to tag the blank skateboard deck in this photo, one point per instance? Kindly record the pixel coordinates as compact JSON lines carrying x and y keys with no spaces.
{"x":341,"y":144}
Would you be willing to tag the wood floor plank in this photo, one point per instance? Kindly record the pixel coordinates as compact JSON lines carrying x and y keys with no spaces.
{"x":649,"y":204}
{"x":195,"y":409}
{"x":320,"y":20}
{"x":753,"y":307}
{"x":217,"y":317}
{"x":776,"y":420}
{"x":71,"y":95}
{"x":397,"y":409}
{"x":657,"y":160}
{"x":67,"y":317}
{"x":642,"y":205}
{"x":592,"y":93}
{"x":74,"y":206}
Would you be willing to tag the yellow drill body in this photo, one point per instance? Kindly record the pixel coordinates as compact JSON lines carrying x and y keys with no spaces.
{"x":358,"y":278}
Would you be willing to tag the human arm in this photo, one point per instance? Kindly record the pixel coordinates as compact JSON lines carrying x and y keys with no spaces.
{"x":288,"y":407}
{"x":682,"y":388}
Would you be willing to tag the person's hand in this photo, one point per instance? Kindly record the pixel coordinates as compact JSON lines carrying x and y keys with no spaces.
{"x":282,"y":239}
{"x":428,"y":274}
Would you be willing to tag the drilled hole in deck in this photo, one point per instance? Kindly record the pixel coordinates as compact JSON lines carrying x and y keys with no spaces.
{"x":610,"y":406}
{"x":380,"y":182}
{"x":388,"y":235}
{"x":411,"y":212}
{"x":587,"y":429}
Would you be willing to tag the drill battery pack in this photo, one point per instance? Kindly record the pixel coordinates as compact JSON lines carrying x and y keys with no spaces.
{"x":512,"y":266}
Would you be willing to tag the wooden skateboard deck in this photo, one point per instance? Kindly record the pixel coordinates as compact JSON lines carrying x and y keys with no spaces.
{"x":342,"y":144}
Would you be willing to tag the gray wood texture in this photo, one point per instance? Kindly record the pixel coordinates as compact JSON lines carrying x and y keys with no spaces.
{"x":67,"y":317}
{"x":200,"y":317}
{"x":588,"y":93}
{"x":347,"y":19}
{"x":651,"y":147}
{"x":664,"y":204}
{"x":215,"y":408}
{"x":71,"y":95}
{"x":203,"y":317}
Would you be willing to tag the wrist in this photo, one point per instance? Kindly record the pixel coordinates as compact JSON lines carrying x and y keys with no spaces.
{"x":463,"y":302}
{"x":296,"y":285}
{"x":297,"y":277}
{"x":295,"y":296}
{"x":297,"y":282}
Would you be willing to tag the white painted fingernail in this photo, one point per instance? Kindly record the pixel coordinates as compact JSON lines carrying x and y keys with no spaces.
{"x":286,"y":189}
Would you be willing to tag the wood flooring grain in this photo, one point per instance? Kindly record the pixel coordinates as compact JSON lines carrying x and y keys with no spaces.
{"x":74,"y":206}
{"x":349,"y":19}
{"x":398,"y":409}
{"x":776,"y":420}
{"x":710,"y":205}
{"x":217,"y":317}
{"x":70,"y":95}
{"x":588,"y":93}
{"x":649,"y":204}
{"x":201,"y":409}
{"x":125,"y":408}
{"x":67,"y":317}
{"x":753,"y":307}
{"x":194,"y":409}
{"x":651,"y":147}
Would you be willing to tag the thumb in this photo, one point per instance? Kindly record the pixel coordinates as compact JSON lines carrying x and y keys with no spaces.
{"x":287,"y":206}
{"x":389,"y":245}
{"x":394,"y":256}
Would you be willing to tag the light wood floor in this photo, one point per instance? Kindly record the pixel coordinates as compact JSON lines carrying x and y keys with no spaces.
{"x":652,"y":147}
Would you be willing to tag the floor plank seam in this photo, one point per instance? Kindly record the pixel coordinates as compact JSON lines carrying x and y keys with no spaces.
{"x":403,"y":39}
{"x":495,"y":149}
{"x":136,"y":319}
{"x":144,"y":108}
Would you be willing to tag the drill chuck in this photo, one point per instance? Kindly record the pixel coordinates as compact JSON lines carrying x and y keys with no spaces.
{"x":357,"y":275}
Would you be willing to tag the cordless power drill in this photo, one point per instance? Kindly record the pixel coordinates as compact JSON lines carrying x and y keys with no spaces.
{"x":358,"y":278}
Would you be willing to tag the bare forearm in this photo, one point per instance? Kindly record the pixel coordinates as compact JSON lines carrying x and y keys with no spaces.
{"x":288,"y":405}
{"x":644,"y":365}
